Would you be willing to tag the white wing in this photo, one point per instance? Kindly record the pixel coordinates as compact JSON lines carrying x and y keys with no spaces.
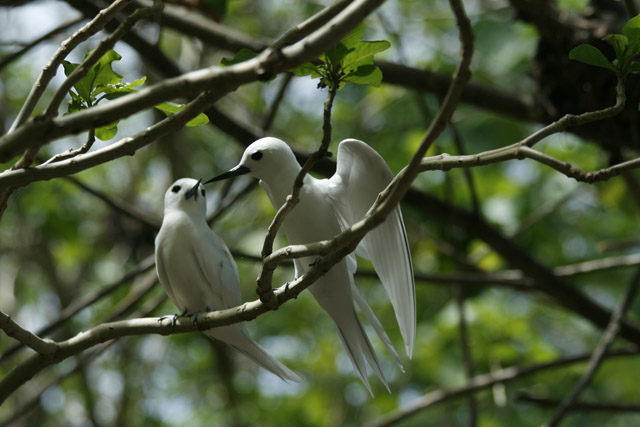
{"x":219,"y":268}
{"x":360,"y":176}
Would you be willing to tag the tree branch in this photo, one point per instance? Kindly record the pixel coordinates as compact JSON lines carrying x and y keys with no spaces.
{"x":218,"y":81}
{"x":482,"y":382}
{"x":597,"y":357}
{"x":24,"y":336}
{"x":50,"y":70}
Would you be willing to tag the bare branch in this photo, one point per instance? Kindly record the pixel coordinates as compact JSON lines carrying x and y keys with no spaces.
{"x":12,"y":329}
{"x":104,"y":46}
{"x":6,"y":60}
{"x":581,"y":406}
{"x":50,"y":70}
{"x":266,"y":272}
{"x":598,"y":355}
{"x":482,"y":382}
{"x":218,"y":81}
{"x":85,"y":301}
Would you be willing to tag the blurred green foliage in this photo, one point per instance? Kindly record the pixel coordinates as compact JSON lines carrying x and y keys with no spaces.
{"x":58,"y":242}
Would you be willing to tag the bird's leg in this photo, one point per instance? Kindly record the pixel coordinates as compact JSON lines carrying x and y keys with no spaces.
{"x":174,"y":318}
{"x":195,"y":315}
{"x":315,"y":262}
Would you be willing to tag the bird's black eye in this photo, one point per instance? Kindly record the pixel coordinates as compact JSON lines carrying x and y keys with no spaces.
{"x":257,"y":155}
{"x":175,"y":188}
{"x":202,"y":192}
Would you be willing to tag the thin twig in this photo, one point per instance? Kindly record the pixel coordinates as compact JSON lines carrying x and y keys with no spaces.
{"x":50,"y":70}
{"x":91,"y":138}
{"x":85,"y":301}
{"x":598,"y":354}
{"x":582,"y":405}
{"x":482,"y":382}
{"x":466,"y":353}
{"x":6,"y":60}
{"x":105,"y":45}
{"x":271,"y":114}
{"x":266,"y":271}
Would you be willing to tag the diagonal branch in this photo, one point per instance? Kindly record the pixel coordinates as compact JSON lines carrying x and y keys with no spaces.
{"x":598,"y":355}
{"x":24,"y":336}
{"x":482,"y":382}
{"x":218,"y":81}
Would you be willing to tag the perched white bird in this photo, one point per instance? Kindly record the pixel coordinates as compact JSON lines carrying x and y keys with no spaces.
{"x":326,"y":207}
{"x":198,"y":272}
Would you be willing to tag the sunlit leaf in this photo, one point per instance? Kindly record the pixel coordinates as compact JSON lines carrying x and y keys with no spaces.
{"x":365,"y":75}
{"x":362,"y":53}
{"x":169,"y":108}
{"x":104,"y":74}
{"x":107,"y":132}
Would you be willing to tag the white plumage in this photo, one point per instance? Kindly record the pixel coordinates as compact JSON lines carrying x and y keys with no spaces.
{"x":198,"y":272}
{"x":326,"y":207}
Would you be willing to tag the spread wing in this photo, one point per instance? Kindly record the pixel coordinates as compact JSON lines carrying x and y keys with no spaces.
{"x":360,"y":176}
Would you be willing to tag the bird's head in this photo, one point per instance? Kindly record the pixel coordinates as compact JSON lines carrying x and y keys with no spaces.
{"x":264,"y":159}
{"x":186,"y":194}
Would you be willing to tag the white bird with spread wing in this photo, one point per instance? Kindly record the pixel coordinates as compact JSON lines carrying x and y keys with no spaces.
{"x":326,"y":207}
{"x":198,"y":272}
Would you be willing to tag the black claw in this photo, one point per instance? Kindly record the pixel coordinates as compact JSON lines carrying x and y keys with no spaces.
{"x":315,"y":262}
{"x":195,"y":317}
{"x":174,"y":318}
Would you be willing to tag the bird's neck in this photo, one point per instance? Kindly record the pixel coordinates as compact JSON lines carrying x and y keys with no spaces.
{"x":281,"y":183}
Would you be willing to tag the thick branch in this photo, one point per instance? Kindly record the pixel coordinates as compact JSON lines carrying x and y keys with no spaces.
{"x":25,"y":336}
{"x":218,"y":80}
{"x":50,"y":70}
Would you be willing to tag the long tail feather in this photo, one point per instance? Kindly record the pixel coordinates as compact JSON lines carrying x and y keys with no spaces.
{"x":237,"y":338}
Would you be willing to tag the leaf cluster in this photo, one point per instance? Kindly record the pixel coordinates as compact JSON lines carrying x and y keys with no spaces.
{"x":350,"y":61}
{"x":102,"y":82}
{"x":626,"y":47}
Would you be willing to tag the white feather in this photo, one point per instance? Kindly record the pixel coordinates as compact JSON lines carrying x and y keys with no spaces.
{"x":198,"y":272}
{"x":327,"y":207}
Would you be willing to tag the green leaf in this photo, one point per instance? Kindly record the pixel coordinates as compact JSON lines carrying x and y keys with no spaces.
{"x":634,"y":67}
{"x":243,"y":54}
{"x":335,"y":55}
{"x":362,"y":54}
{"x":307,"y":69}
{"x":368,"y":74}
{"x":590,"y":55}
{"x":104,"y":74}
{"x":107,"y":132}
{"x":170,"y":108}
{"x":632,"y":31}
{"x":620,"y":44}
{"x":351,"y":39}
{"x":69,"y":67}
{"x":113,"y":92}
{"x":220,"y":6}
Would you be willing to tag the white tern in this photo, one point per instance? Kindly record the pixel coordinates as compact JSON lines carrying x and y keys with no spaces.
{"x":326,"y":207}
{"x":198,"y":272}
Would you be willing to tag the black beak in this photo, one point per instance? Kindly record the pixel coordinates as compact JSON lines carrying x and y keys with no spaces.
{"x":237,"y":171}
{"x":193,"y":191}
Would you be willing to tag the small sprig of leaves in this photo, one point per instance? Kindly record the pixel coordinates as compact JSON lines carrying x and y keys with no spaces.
{"x":350,"y":61}
{"x":102,"y":82}
{"x":626,"y":47}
